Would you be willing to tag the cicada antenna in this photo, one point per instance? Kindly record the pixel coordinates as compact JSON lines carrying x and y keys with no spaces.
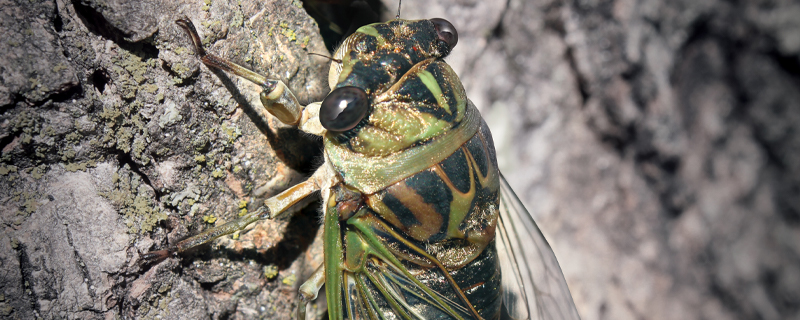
{"x":399,"y":2}
{"x":324,"y":56}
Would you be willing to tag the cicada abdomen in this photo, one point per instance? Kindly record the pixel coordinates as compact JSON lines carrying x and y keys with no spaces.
{"x":418,"y":222}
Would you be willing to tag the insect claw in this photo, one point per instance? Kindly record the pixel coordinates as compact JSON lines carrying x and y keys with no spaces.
{"x":215,"y":62}
{"x":156,"y":256}
{"x":197,"y":43}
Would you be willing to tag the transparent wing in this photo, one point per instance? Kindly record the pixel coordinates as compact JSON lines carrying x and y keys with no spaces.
{"x":534,"y":287}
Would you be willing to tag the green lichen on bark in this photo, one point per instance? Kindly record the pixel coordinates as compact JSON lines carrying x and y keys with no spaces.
{"x":133,"y":200}
{"x":130,"y":73}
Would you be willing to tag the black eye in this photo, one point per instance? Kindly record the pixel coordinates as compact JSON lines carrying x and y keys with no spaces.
{"x":343,"y":109}
{"x":446,"y":31}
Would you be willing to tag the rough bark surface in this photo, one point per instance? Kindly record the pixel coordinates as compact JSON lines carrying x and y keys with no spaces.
{"x":117,"y":141}
{"x":654,"y":142}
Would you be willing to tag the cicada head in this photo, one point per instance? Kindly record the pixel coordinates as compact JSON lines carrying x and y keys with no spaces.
{"x":391,"y":88}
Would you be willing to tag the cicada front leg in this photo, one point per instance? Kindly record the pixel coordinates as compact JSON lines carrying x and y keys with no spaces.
{"x":275,"y":95}
{"x":281,"y":103}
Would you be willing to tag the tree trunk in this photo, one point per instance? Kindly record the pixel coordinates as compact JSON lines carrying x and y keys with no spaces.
{"x":117,"y":141}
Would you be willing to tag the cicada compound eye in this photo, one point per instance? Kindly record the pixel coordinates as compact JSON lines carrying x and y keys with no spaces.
{"x":343,"y":109}
{"x":446,"y":31}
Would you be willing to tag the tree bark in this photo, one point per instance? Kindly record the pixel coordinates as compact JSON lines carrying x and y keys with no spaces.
{"x":117,"y":141}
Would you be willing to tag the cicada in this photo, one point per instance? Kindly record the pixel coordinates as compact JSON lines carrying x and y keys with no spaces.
{"x":418,"y":221}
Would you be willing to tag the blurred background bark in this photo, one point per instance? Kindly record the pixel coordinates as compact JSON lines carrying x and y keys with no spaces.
{"x":653,"y":141}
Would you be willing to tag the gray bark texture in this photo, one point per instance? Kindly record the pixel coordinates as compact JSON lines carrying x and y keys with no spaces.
{"x":654,"y":142}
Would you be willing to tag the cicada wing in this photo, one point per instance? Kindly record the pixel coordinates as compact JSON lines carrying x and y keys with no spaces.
{"x":534,"y":287}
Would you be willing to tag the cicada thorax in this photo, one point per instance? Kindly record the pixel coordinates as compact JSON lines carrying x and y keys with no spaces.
{"x":418,"y":110}
{"x":417,"y":205}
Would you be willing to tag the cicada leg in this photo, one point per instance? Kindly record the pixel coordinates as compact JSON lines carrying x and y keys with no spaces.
{"x":309,"y":291}
{"x":205,"y":237}
{"x":280,"y":102}
{"x":273,"y":207}
{"x":275,"y":95}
